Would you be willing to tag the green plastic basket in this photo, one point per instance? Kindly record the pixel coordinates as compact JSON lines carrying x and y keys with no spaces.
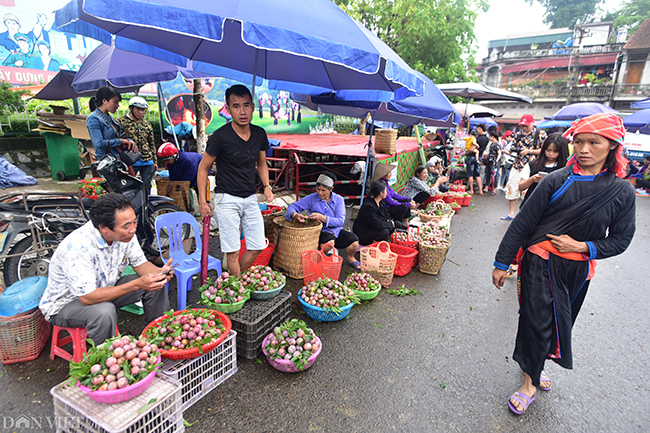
{"x":224,"y":308}
{"x":367,"y":296}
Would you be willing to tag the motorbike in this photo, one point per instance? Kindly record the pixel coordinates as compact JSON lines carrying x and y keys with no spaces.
{"x":33,"y":224}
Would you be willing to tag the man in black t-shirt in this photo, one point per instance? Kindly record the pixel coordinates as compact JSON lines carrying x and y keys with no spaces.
{"x":238,"y":147}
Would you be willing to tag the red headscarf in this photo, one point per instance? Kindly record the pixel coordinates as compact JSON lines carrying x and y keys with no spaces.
{"x":607,"y":125}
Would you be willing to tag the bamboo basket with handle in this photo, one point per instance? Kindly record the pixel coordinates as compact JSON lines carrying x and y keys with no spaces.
{"x":291,"y":239}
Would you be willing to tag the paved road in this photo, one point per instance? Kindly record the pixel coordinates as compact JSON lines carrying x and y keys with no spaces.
{"x":436,"y":362}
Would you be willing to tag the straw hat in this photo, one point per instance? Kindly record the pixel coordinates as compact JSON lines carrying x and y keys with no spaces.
{"x":382,"y":170}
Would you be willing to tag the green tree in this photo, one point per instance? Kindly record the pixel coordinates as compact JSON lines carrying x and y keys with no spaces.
{"x":11,"y":97}
{"x":435,"y":37}
{"x":632,"y":14}
{"x":563,"y":13}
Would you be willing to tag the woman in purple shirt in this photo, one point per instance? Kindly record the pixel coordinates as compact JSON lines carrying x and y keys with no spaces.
{"x":328,"y":208}
{"x":399,"y":207}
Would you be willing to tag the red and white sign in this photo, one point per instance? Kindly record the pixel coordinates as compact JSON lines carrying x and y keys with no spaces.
{"x":25,"y":77}
{"x":638,"y":145}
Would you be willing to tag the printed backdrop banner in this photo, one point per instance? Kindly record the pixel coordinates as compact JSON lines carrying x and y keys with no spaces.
{"x":32,"y":48}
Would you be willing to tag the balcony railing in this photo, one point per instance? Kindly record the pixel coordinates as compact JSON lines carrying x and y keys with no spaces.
{"x":551,"y":52}
{"x":631,"y":91}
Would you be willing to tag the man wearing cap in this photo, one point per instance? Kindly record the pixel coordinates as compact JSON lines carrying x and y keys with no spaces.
{"x":23,"y":58}
{"x":237,"y":147}
{"x":526,"y":146}
{"x":135,"y":127}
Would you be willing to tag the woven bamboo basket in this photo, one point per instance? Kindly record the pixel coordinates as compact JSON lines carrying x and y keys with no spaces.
{"x":386,"y":141}
{"x":426,"y":217}
{"x":432,"y":258}
{"x":295,"y":237}
{"x":177,"y":190}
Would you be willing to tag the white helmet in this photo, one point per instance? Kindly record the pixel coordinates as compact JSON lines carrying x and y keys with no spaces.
{"x":138,"y":101}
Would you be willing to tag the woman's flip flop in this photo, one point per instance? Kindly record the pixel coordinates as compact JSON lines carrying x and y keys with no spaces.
{"x":544,"y":378}
{"x":355,"y":264}
{"x":523,"y":399}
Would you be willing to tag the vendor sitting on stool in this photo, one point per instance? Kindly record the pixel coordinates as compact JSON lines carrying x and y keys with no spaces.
{"x":417,"y":188}
{"x":374,"y":224}
{"x":328,"y":208}
{"x":181,"y":166}
{"x":398,"y":206}
{"x":85,"y":285}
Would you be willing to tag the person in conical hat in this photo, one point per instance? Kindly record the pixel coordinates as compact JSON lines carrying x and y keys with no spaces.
{"x":399,"y":207}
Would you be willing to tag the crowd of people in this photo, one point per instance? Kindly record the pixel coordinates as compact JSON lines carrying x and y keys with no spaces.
{"x":575,"y":209}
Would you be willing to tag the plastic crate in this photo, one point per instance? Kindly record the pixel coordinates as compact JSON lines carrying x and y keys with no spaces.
{"x":22,"y":337}
{"x":201,"y":375}
{"x":256,"y":320}
{"x":157,"y":409}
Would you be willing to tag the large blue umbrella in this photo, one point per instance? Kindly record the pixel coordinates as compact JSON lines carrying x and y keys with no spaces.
{"x":643,"y":103}
{"x":307,"y":46}
{"x":580,"y":110}
{"x":110,"y":66}
{"x":476,"y":121}
{"x":545,"y":124}
{"x":639,"y":121}
{"x":433,"y":108}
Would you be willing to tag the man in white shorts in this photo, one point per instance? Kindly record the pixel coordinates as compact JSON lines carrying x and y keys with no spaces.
{"x":237,"y":147}
{"x":526,"y":146}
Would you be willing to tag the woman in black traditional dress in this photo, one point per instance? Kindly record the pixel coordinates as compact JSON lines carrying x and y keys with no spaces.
{"x":575,"y":215}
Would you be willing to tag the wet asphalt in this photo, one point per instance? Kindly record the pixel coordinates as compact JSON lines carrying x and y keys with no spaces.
{"x":439,"y":361}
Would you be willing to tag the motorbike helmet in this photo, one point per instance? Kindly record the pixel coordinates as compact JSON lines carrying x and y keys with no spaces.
{"x":167,"y":151}
{"x":139,"y":102}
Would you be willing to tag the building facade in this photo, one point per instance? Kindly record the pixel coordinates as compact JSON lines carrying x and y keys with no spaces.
{"x":558,"y":67}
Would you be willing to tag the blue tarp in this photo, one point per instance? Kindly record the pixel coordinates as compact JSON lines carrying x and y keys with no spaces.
{"x":10,"y":175}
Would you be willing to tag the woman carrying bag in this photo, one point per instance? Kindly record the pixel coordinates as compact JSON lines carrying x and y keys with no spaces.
{"x":576,"y":215}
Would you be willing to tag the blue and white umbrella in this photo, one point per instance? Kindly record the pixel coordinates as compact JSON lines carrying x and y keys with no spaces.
{"x":306,"y":46}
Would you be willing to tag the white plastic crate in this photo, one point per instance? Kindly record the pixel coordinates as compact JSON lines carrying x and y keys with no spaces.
{"x":201,"y":375}
{"x":157,"y":409}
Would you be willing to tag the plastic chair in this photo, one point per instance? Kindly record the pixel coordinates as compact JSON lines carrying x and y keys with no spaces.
{"x":188,"y":264}
{"x":78,"y":338}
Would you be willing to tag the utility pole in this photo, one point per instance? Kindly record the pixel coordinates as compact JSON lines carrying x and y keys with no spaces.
{"x":199,"y":108}
{"x":576,"y":68}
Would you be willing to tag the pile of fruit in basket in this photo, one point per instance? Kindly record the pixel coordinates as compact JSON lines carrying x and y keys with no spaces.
{"x":433,"y":236}
{"x":226,"y":289}
{"x":186,"y":329}
{"x":438,"y":208}
{"x":330,"y":295}
{"x":115,"y":364}
{"x":262,"y":278}
{"x":362,"y":282}
{"x":292,"y":341}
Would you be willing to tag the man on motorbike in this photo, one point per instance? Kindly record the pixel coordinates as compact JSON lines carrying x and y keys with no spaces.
{"x":85,"y":286}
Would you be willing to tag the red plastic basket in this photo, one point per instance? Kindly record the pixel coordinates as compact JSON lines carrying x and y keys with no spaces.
{"x":271,"y":209}
{"x":448,"y":198}
{"x":315,"y":265}
{"x":457,"y":186}
{"x":263,"y":258}
{"x":193,"y":352}
{"x":405,"y":258}
{"x":409,"y":244}
{"x":22,"y":337}
{"x":466,"y":200}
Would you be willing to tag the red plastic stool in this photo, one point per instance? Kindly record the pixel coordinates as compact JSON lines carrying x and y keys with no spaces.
{"x":78,"y":338}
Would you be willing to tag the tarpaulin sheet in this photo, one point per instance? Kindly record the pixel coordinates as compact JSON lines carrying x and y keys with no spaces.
{"x":339,"y":144}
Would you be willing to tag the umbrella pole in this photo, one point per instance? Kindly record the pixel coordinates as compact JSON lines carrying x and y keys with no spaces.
{"x":161,"y":96}
{"x":365,"y":172}
{"x":254,"y":75}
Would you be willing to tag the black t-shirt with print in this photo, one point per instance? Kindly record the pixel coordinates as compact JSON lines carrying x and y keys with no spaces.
{"x":236,"y":159}
{"x":482,"y":141}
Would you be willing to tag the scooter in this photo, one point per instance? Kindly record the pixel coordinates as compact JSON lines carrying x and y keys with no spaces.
{"x":32,"y":225}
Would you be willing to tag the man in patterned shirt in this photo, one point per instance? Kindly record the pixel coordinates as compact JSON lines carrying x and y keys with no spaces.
{"x":137,"y":128}
{"x":85,"y":286}
{"x":526,"y":146}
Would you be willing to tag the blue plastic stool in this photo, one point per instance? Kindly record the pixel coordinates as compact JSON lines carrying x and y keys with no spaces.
{"x":188,"y":265}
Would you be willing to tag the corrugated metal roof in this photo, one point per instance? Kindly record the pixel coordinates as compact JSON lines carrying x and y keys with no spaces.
{"x":562,"y":62}
{"x":532,"y":38}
